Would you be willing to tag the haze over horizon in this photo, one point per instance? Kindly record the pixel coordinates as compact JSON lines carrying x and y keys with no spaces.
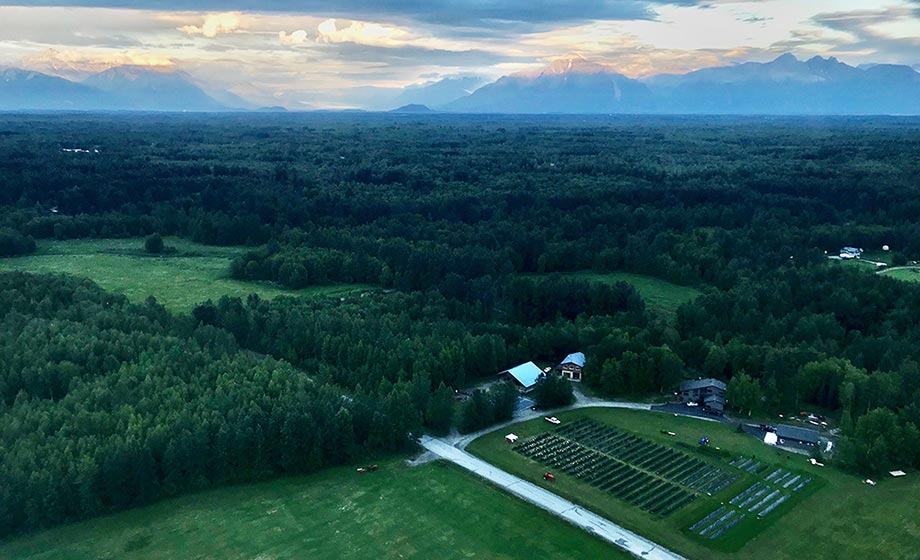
{"x":308,"y":55}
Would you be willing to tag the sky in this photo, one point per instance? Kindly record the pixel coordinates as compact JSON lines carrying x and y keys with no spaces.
{"x":312,"y":54}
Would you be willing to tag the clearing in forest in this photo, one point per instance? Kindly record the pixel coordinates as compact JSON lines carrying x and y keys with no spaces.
{"x":656,"y":292}
{"x":180,"y":279}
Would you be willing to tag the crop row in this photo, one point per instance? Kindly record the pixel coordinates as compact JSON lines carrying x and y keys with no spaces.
{"x":668,"y":463}
{"x":622,"y":480}
{"x":748,"y":465}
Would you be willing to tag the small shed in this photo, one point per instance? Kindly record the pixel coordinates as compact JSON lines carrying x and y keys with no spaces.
{"x":898,"y":474}
{"x":511,"y":438}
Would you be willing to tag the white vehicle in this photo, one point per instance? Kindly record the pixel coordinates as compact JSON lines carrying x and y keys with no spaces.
{"x":553,"y":420}
{"x":693,"y":404}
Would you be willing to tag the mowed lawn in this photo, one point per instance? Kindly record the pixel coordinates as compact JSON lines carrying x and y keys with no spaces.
{"x":434,"y":511}
{"x":192,"y":274}
{"x":838,"y":518}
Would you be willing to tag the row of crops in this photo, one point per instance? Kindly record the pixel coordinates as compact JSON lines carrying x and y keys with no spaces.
{"x":622,"y":480}
{"x":653,"y":477}
{"x":661,"y":460}
{"x":758,"y":499}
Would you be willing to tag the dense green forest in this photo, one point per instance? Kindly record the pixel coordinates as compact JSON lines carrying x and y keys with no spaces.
{"x":468,"y":226}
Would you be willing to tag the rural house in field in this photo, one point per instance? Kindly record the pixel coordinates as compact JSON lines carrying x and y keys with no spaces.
{"x":798,"y":436}
{"x":709,"y":393}
{"x":525,"y":376}
{"x":572,"y":366}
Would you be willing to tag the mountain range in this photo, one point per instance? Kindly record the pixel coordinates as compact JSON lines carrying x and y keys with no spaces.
{"x":572,"y":85}
{"x":785,"y":85}
{"x":135,"y":88}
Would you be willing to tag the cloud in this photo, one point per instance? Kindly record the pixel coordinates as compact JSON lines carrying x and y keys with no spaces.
{"x":298,"y":37}
{"x":214,"y":25}
{"x":477,"y":13}
{"x":362,"y":33}
{"x":889,"y":34}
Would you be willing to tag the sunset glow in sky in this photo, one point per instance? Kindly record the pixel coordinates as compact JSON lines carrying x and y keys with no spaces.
{"x":330,"y":54}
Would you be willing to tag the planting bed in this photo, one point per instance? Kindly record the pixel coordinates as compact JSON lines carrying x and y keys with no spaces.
{"x":654,"y":477}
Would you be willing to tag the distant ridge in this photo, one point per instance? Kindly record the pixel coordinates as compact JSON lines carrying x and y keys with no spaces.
{"x":569,"y":85}
{"x":132,"y":88}
{"x":413,"y":108}
{"x":783,"y":86}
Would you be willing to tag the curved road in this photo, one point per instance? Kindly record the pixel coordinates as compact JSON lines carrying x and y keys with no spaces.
{"x":544,"y":499}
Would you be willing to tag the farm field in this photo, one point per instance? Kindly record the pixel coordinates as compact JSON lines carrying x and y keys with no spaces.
{"x":657,"y":293}
{"x":431,"y":511}
{"x":192,"y":274}
{"x":832,"y":516}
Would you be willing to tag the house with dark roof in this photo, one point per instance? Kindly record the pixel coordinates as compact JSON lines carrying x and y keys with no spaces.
{"x":572,"y":366}
{"x":708,"y":393}
{"x":525,"y":376}
{"x":795,"y":435}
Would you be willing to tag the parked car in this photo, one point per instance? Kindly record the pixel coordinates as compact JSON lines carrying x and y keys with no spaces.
{"x":553,"y":420}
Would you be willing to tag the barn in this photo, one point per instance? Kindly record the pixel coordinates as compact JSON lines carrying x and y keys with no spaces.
{"x":525,"y":376}
{"x":794,"y":435}
{"x":572,"y":367}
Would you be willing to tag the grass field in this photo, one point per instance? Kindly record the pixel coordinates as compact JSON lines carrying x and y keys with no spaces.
{"x":907,"y":274}
{"x":432,"y":511}
{"x":192,"y":274}
{"x":657,"y":293}
{"x":838,"y":517}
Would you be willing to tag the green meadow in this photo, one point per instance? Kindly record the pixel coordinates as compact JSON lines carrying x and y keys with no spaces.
{"x":433,"y":511}
{"x":180,"y":279}
{"x":657,"y":293}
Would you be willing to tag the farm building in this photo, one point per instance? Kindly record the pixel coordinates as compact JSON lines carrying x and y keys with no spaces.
{"x":524,"y":376}
{"x":710,"y":393}
{"x":798,"y":436}
{"x":572,"y":366}
{"x":850,"y":253}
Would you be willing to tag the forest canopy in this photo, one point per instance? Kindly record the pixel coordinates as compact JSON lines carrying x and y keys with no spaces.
{"x":469,"y":228}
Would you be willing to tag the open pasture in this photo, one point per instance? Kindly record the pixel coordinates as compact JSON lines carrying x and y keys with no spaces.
{"x":431,"y":511}
{"x":190,"y":274}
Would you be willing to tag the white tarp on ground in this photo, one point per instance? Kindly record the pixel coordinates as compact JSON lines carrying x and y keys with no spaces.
{"x":769,"y":438}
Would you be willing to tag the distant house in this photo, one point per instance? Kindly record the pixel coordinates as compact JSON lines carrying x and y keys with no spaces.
{"x":525,"y":376}
{"x":572,"y":366}
{"x":851,"y":253}
{"x":709,"y":393}
{"x":795,"y":435}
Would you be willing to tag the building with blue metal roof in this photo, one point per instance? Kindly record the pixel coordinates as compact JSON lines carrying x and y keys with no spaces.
{"x":572,"y":366}
{"x":524,"y":376}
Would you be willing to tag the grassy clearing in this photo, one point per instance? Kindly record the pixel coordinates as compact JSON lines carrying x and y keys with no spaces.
{"x":657,"y":293}
{"x":192,"y":274}
{"x":907,"y":274}
{"x":432,"y":511}
{"x":839,"y":517}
